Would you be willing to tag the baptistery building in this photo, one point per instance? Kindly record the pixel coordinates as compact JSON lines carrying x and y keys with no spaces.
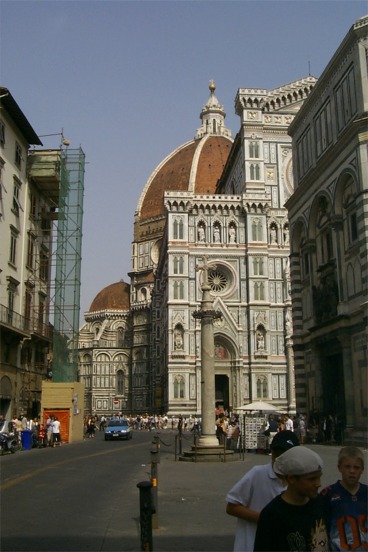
{"x":328,"y":214}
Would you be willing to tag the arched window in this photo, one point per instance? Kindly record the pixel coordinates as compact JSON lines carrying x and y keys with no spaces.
{"x":178,"y":229}
{"x":254,"y":150}
{"x":120,"y":337}
{"x":349,"y":212}
{"x":255,"y":172}
{"x":178,"y":290}
{"x":257,"y":231}
{"x":179,"y":387}
{"x":102,"y":364}
{"x":178,"y":265}
{"x":258,"y":266}
{"x":259,"y":291}
{"x":181,"y":290}
{"x":262,"y":388}
{"x":120,"y":388}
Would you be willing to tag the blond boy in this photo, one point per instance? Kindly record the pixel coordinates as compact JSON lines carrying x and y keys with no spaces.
{"x":346,"y":503}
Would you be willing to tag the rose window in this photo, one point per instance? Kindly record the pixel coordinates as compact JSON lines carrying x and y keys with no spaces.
{"x":217,"y":280}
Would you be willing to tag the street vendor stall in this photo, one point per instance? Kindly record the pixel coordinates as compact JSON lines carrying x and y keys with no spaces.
{"x":253,"y":424}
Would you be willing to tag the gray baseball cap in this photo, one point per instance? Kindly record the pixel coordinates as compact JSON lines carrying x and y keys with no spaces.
{"x":298,"y":461}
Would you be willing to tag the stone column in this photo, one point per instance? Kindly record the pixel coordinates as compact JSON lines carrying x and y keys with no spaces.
{"x":206,"y":314}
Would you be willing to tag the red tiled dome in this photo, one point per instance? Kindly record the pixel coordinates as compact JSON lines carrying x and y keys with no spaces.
{"x":196,"y":166}
{"x":113,"y":297}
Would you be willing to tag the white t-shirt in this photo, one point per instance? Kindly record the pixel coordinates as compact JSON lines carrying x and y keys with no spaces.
{"x":254,"y":490}
{"x":56,"y":426}
{"x":289,"y":424}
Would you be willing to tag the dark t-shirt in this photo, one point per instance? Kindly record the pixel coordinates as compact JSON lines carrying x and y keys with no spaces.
{"x":346,"y":516}
{"x":285,"y":527}
{"x":274,"y":426}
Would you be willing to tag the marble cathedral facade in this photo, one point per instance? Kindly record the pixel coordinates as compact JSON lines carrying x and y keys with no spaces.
{"x":223,"y":199}
{"x":243,"y":230}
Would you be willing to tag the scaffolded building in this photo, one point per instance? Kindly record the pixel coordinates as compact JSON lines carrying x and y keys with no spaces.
{"x":41,"y":209}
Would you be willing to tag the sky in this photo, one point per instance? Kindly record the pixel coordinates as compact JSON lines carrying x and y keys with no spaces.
{"x":126,"y":82}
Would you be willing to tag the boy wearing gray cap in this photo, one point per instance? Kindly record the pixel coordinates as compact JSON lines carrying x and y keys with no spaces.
{"x":254,"y":490}
{"x":294,"y":521}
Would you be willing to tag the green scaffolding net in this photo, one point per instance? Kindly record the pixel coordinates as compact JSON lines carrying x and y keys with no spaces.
{"x":68,"y":266}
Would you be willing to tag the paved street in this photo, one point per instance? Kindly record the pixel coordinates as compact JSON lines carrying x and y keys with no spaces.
{"x":84,"y":497}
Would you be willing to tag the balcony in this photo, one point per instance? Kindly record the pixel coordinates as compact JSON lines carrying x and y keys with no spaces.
{"x":15,"y":322}
{"x":25,"y":327}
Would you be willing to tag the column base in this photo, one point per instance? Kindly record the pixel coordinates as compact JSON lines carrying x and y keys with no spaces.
{"x":208,"y":441}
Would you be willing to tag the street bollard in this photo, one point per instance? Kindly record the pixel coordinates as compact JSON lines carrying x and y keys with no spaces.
{"x":145,"y":508}
{"x":180,"y":442}
{"x":155,"y":459}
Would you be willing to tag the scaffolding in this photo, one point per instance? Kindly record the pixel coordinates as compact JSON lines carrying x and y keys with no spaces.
{"x":59,"y":176}
{"x":68,"y":266}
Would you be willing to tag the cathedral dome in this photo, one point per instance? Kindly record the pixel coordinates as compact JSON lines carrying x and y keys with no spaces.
{"x":194,"y":167}
{"x":113,"y":297}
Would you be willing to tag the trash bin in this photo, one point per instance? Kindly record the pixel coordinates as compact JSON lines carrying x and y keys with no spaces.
{"x":26,"y":438}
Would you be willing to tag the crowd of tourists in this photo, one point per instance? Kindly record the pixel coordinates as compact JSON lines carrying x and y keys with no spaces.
{"x":41,"y":435}
{"x":315,"y":428}
{"x":142,"y":422}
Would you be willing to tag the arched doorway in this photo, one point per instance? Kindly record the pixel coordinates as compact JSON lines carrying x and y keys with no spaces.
{"x":224,"y":358}
{"x":222,"y":392}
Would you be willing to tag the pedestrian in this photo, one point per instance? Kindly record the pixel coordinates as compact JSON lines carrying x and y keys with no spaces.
{"x":256,"y":489}
{"x":180,"y":424}
{"x":281,"y":424}
{"x":102,"y":422}
{"x":229,"y":434}
{"x":49,"y":433}
{"x":294,"y":520}
{"x":302,"y":432}
{"x":41,"y":436}
{"x":221,"y":427}
{"x":56,"y":438}
{"x":273,"y":429}
{"x":289,"y":424}
{"x":346,"y":503}
{"x":24,"y":422}
{"x":91,"y":427}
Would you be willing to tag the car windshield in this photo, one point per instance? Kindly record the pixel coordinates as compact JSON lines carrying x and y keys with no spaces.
{"x":115,"y":423}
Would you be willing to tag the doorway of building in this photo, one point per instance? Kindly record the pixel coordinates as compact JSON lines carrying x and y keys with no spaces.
{"x":333,"y":388}
{"x":222,"y":390}
{"x":63,"y":416}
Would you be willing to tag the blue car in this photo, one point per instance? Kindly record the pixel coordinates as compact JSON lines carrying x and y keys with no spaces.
{"x":118,"y":429}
